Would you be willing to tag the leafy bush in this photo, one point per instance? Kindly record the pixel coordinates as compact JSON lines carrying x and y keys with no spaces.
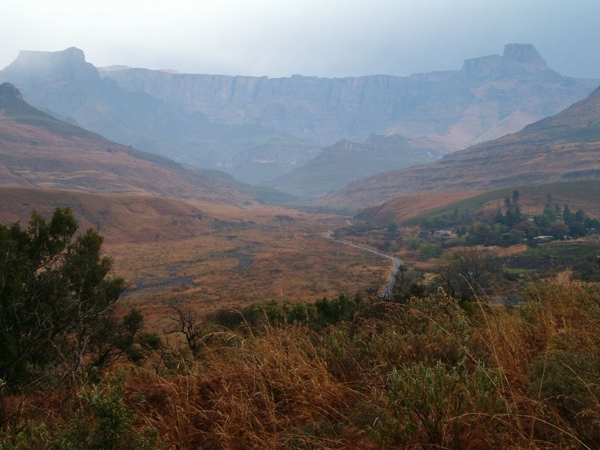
{"x":57,"y":300}
{"x":428,"y":251}
{"x":99,"y":419}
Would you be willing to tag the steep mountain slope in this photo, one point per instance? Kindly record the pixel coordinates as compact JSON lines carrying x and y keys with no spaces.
{"x":487,"y":98}
{"x":38,"y":150}
{"x":64,"y":84}
{"x":346,"y":161}
{"x":560,"y":148}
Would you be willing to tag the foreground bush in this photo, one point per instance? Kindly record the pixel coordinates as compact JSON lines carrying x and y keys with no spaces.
{"x":57,"y":300}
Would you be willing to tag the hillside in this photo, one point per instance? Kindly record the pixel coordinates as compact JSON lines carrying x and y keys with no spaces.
{"x":119,"y":218}
{"x":38,"y":150}
{"x":413,"y":208}
{"x":346,"y":161}
{"x":561,"y":148}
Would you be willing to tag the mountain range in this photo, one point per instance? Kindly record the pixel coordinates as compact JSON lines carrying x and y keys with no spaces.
{"x":266,"y":131}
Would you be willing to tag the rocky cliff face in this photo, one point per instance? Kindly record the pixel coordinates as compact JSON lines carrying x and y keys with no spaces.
{"x":524,"y":54}
{"x":68,"y":65}
{"x":321,"y":110}
{"x":442,"y":110}
{"x":561,"y":148}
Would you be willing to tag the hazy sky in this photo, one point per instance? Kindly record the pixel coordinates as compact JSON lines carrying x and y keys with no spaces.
{"x":329,"y":38}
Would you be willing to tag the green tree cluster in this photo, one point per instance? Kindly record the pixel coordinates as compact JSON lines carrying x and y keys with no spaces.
{"x":57,"y":301}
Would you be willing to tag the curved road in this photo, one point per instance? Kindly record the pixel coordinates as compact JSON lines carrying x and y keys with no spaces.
{"x":397,"y":263}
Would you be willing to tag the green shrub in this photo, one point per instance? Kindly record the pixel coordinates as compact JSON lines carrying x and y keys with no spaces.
{"x":438,"y":405}
{"x":428,"y":251}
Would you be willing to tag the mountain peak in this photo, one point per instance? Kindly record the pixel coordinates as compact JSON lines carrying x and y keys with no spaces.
{"x":73,"y":54}
{"x":65,"y":64}
{"x":523,"y":54}
{"x":13,"y":105}
{"x":516,"y":59}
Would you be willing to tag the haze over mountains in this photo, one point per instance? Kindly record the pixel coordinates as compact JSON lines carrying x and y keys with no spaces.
{"x":564,"y":147}
{"x":265,"y":130}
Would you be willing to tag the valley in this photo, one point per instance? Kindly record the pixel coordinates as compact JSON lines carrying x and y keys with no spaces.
{"x":241,"y":262}
{"x":305,"y":136}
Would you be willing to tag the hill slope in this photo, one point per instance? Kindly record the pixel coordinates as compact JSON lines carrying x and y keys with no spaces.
{"x":119,"y":218}
{"x":413,"y":208}
{"x":346,"y":161}
{"x":561,"y":148}
{"x":38,"y":150}
{"x":66,"y":85}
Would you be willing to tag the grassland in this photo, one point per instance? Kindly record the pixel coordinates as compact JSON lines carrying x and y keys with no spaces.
{"x":428,"y":372}
{"x":282,"y":258}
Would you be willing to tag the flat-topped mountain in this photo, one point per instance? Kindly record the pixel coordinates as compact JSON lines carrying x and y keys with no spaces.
{"x":565,"y":147}
{"x":489,"y":97}
{"x":66,"y":86}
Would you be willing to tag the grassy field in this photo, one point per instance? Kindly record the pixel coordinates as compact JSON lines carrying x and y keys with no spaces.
{"x":273,"y":254}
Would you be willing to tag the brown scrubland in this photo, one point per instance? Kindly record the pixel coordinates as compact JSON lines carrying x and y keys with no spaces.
{"x":427,"y":372}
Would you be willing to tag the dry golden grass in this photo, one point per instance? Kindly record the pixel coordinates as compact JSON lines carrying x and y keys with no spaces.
{"x":209,"y":254}
{"x":119,"y":218}
{"x":423,"y":374}
{"x":239,"y":263}
{"x":252,"y":393}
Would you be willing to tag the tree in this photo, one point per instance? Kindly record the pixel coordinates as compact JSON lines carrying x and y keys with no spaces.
{"x":434,"y":222}
{"x":481,"y":234}
{"x":579,"y":216}
{"x":407,"y":284}
{"x":428,"y":251}
{"x":547,"y":218}
{"x":57,"y":300}
{"x":567,"y":215}
{"x":467,"y":271}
